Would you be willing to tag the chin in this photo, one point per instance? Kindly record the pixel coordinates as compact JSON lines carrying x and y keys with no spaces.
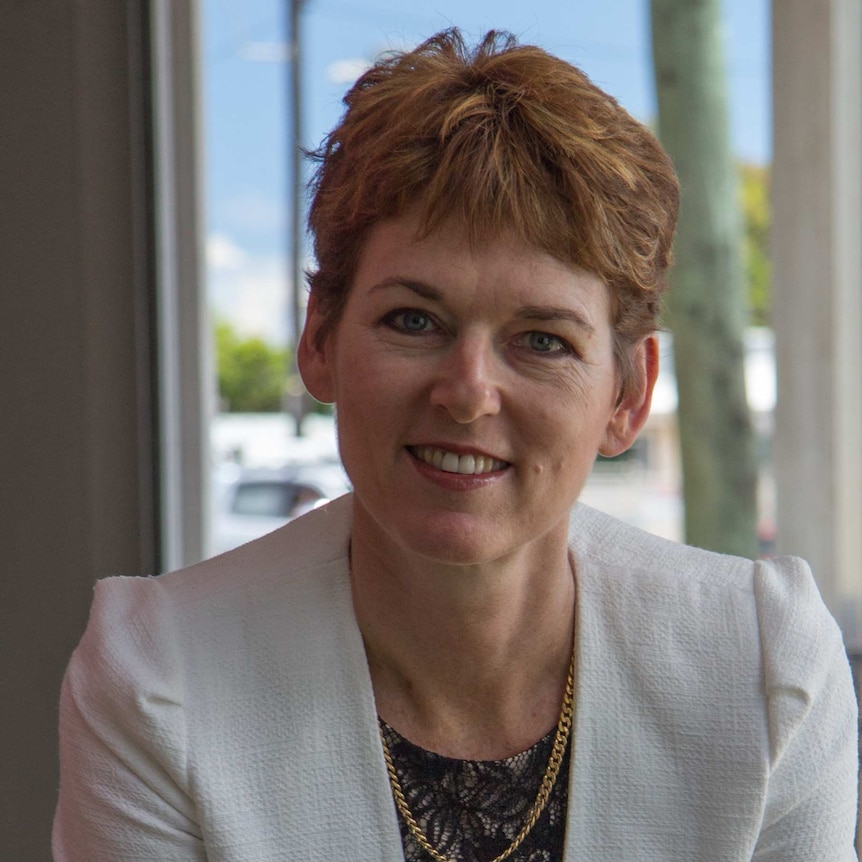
{"x":450,"y":538}
{"x":463,"y":540}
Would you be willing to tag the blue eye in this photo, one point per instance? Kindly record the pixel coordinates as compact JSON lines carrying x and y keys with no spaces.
{"x":543,"y":342}
{"x":409,"y":320}
{"x":414,"y":321}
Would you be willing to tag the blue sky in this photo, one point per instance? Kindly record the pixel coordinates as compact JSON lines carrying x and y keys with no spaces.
{"x":245,"y":90}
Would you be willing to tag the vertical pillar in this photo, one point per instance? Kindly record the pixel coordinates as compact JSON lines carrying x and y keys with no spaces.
{"x":77,"y":438}
{"x":817,"y":284}
{"x":102,"y":460}
{"x":186,"y":381}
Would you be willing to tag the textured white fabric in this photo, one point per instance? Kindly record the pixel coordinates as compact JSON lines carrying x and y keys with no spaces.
{"x":225,"y":712}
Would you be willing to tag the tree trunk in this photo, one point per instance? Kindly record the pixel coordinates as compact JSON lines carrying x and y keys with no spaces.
{"x":706,"y":306}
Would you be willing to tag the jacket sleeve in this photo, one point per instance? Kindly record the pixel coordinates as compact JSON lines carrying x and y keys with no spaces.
{"x":811,"y":804}
{"x":124,"y":789}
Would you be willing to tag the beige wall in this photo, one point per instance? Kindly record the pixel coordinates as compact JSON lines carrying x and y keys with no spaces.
{"x":76,"y":464}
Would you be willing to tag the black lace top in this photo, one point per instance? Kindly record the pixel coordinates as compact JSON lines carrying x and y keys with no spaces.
{"x":470,"y":810}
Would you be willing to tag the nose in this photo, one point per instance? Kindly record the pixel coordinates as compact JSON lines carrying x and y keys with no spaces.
{"x":466,"y":382}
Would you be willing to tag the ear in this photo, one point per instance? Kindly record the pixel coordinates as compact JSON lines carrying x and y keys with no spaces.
{"x":632,"y":411}
{"x":315,"y":362}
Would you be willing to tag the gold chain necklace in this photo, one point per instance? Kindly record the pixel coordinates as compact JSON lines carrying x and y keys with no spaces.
{"x":549,"y":778}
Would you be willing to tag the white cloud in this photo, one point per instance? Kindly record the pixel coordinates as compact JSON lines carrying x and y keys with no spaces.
{"x":223,"y":253}
{"x":249,"y":291}
{"x":346,"y":71}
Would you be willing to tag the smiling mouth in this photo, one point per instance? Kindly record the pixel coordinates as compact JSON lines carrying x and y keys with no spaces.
{"x":452,"y":462}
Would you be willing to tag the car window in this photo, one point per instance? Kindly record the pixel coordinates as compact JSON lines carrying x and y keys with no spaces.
{"x":265,"y":499}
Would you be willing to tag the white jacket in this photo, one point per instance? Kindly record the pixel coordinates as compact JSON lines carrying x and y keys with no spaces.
{"x":225,"y":712}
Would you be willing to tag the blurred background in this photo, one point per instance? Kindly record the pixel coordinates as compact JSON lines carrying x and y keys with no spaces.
{"x":151,"y":245}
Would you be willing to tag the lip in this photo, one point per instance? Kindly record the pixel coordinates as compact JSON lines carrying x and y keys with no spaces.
{"x":454,"y":480}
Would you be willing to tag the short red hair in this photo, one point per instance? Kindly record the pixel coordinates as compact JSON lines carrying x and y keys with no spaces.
{"x":503,"y":138}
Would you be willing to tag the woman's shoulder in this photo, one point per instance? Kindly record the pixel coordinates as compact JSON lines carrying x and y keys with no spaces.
{"x":755,"y":631}
{"x":295,"y":569}
{"x":775,"y":601}
{"x":617,"y":548}
{"x":300,"y":548}
{"x":160,"y":635}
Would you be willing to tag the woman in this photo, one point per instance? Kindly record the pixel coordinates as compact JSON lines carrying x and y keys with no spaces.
{"x":445,"y":664}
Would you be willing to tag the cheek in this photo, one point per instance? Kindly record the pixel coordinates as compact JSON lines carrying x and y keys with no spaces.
{"x":579,"y":387}
{"x":564,"y":433}
{"x":367,"y":408}
{"x":573,"y":402}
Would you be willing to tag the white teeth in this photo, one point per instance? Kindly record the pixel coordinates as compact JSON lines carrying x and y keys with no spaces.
{"x":451,"y":462}
{"x":467,"y":465}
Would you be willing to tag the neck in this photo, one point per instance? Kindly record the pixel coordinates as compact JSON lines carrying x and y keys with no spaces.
{"x":466,"y":660}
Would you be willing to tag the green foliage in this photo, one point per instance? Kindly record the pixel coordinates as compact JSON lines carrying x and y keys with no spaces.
{"x":754,"y":200}
{"x":251,"y":373}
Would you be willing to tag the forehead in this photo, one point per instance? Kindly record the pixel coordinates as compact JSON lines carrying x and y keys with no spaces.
{"x":447,"y":264}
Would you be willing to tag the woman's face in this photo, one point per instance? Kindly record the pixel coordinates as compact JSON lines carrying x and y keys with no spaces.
{"x":474,"y":387}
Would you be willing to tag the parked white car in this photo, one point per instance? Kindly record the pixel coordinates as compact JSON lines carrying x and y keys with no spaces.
{"x":250,"y":502}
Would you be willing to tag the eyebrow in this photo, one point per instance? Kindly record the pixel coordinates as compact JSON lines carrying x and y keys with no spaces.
{"x":553,"y":312}
{"x":426,"y":291}
{"x":528,"y":312}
